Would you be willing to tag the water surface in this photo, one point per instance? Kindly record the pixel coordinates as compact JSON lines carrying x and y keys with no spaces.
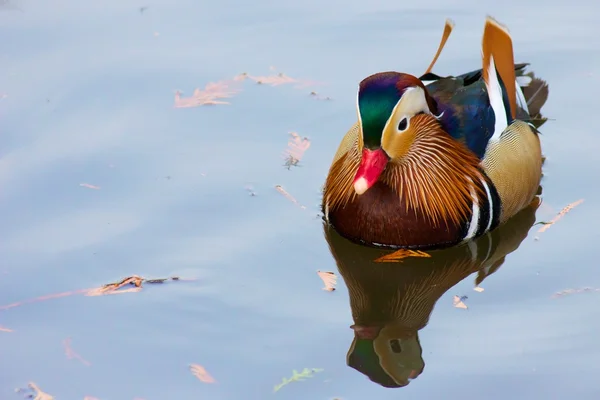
{"x":89,"y":99}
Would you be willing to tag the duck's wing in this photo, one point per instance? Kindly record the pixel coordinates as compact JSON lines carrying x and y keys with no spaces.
{"x":513,"y":156}
{"x":468,"y":114}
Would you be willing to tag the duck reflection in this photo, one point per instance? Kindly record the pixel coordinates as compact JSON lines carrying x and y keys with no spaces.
{"x":392,"y":301}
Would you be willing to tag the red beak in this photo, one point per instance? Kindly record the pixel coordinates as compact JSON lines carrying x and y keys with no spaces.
{"x":372,"y":164}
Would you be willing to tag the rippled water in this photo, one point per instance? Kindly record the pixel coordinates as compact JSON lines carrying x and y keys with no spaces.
{"x":87,"y":94}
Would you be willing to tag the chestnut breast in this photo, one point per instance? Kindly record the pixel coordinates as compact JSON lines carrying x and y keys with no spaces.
{"x":380,"y":217}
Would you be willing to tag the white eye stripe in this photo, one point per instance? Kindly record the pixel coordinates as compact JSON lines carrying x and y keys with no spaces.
{"x":413,"y":102}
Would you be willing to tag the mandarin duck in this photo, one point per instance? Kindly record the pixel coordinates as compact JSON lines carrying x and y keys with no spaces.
{"x":436,"y":161}
{"x":391,"y":305}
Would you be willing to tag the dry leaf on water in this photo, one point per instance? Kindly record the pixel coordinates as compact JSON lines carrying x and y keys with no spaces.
{"x":38,"y":393}
{"x":210,"y":95}
{"x":329,"y":280}
{"x":87,"y":185}
{"x":288,"y":196}
{"x":297,"y":146}
{"x":401,"y":255}
{"x":200,"y":372}
{"x":72,"y":354}
{"x":111,"y":288}
{"x":561,"y":214}
{"x":458,"y":302}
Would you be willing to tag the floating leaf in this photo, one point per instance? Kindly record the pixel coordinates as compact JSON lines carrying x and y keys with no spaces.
{"x":87,"y":185}
{"x":288,"y":196}
{"x":458,"y":302}
{"x":210,"y":95}
{"x":297,"y":146}
{"x":199,"y":372}
{"x":113,"y":288}
{"x":106,"y":289}
{"x":297,"y":376}
{"x":329,"y":280}
{"x":72,"y":354}
{"x":561,"y":214}
{"x":38,"y":393}
{"x":401,"y":254}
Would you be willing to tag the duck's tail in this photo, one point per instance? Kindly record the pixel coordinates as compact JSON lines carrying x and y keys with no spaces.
{"x":535,"y":92}
{"x":523,"y":93}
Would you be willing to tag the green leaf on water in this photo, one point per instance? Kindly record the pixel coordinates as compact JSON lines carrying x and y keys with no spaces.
{"x":297,"y":376}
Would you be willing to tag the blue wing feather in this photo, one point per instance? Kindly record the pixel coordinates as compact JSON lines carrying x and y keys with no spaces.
{"x":467,"y":114}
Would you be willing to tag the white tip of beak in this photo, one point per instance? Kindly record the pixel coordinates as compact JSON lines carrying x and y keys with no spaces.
{"x":360,"y":186}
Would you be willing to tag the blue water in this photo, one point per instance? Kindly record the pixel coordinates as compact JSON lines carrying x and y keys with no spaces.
{"x":89,"y":99}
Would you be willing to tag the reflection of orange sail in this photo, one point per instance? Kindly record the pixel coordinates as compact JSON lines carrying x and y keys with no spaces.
{"x":392,"y":301}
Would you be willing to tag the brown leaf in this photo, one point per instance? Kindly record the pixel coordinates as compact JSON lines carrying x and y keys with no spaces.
{"x":112,"y":288}
{"x":458,"y":302}
{"x":297,"y":146}
{"x":72,"y":354}
{"x":103,"y":290}
{"x":561,"y":214}
{"x":39,"y":394}
{"x":199,"y":372}
{"x":329,"y":280}
{"x":210,"y":95}
{"x":401,"y":254}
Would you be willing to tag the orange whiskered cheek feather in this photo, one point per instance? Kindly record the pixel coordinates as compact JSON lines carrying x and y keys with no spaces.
{"x":372,"y":164}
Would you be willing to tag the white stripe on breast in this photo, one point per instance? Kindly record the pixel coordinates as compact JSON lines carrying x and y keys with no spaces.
{"x":473,"y":225}
{"x":491,"y":204}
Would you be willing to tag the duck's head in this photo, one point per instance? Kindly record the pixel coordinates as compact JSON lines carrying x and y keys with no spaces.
{"x":389,"y":107}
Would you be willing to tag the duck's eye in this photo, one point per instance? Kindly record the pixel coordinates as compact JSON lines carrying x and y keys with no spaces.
{"x":403,"y":124}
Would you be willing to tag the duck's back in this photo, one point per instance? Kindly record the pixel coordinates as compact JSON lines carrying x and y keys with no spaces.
{"x":464,"y":105}
{"x":513,"y":160}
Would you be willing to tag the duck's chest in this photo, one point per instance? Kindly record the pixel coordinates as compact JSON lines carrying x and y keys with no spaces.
{"x":381,"y":217}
